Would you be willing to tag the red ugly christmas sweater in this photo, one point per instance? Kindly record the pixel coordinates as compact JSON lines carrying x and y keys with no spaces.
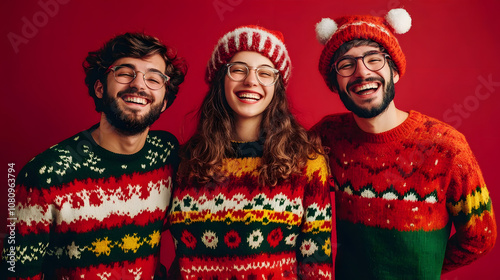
{"x":397,"y":194}
{"x":238,"y":229}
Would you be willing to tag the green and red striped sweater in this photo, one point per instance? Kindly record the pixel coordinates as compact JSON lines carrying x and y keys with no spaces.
{"x":87,"y":213}
{"x":397,"y":194}
{"x":238,"y":229}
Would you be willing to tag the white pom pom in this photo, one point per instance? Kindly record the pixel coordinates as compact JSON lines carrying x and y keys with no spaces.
{"x":399,"y":19}
{"x":325,"y":29}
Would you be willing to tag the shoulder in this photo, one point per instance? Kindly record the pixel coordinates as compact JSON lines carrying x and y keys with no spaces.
{"x":334,"y":119}
{"x":162,"y":137}
{"x":438,"y":130}
{"x":42,"y":168}
{"x":333,"y":124}
{"x":317,"y":165}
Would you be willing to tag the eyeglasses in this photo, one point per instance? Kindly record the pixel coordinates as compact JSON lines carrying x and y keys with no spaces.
{"x":266,"y":76}
{"x":125,"y":74}
{"x":373,"y":61}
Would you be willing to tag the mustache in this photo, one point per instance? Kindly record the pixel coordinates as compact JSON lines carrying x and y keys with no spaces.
{"x":371,"y":79}
{"x":133,"y":91}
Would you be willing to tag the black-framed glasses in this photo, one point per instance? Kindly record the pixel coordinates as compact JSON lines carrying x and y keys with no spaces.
{"x":373,"y":61}
{"x":125,"y":74}
{"x":266,"y":76}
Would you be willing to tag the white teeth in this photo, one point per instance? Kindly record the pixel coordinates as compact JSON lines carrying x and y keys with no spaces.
{"x":137,"y":100}
{"x":365,"y":87}
{"x":249,"y":96}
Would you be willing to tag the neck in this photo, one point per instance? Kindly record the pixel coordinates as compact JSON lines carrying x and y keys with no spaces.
{"x":112,"y":140}
{"x":247,"y":130}
{"x":387,"y":120}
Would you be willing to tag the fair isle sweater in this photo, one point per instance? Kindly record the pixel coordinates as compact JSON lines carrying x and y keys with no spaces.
{"x":397,"y":194}
{"x":87,"y":213}
{"x":238,"y":229}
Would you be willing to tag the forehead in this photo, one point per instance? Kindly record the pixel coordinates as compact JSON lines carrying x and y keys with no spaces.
{"x":253,"y":59}
{"x":155,"y":61}
{"x":360,"y":50}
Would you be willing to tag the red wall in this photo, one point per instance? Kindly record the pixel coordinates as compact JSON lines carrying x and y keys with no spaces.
{"x":452,"y":52}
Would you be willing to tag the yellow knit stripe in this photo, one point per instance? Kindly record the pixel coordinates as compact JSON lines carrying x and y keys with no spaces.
{"x":471,"y":202}
{"x":262,"y":216}
{"x":238,"y":166}
{"x":317,"y":226}
{"x":318,"y":164}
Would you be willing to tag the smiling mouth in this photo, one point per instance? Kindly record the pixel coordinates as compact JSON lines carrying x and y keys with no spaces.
{"x":136,"y":100}
{"x":249,"y":96}
{"x":365,"y":89}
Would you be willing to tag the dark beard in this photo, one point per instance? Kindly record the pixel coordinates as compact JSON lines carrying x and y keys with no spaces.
{"x":389,"y":94}
{"x":124,"y":124}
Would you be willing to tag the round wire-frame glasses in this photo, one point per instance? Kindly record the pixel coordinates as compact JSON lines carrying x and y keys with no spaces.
{"x":373,"y":61}
{"x":266,"y":76}
{"x":125,"y":74}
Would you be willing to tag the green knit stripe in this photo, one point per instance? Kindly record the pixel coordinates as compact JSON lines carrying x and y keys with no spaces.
{"x":369,"y":252}
{"x":221,"y":239}
{"x":475,"y":204}
{"x":123,"y":243}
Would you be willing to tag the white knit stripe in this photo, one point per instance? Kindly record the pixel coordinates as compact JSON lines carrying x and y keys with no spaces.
{"x":379,"y":27}
{"x":112,"y":204}
{"x":219,"y":267}
{"x":237,"y":202}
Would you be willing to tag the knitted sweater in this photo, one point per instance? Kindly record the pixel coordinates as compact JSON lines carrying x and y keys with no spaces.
{"x":237,"y":229}
{"x":86,"y":213}
{"x":397,"y":194}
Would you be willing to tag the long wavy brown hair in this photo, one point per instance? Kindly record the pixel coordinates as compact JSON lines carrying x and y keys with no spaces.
{"x":287,"y":145}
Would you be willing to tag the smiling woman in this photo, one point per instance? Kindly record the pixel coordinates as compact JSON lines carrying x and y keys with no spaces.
{"x":251,"y":176}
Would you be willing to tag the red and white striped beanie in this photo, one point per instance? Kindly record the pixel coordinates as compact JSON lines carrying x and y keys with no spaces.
{"x":268,"y":43}
{"x":334,"y":33}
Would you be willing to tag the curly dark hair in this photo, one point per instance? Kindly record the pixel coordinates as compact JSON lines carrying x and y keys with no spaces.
{"x":135,"y":45}
{"x":287,"y":145}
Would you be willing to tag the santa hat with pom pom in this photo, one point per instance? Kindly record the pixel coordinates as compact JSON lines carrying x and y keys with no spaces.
{"x":255,"y":38}
{"x":334,"y":33}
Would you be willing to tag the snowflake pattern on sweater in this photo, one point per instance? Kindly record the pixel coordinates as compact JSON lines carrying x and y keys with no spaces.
{"x":237,"y":229}
{"x":397,"y":194}
{"x":86,"y":213}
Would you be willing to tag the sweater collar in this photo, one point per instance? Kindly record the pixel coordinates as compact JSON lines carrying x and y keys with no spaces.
{"x":399,"y":132}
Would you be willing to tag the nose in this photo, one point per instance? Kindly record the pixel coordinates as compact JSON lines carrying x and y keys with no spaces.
{"x":251,"y":78}
{"x":139,"y":82}
{"x":361,"y":69}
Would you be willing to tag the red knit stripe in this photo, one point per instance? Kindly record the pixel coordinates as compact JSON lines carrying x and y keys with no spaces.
{"x":125,"y":186}
{"x":279,"y":266}
{"x":391,"y":214}
{"x":141,"y":268}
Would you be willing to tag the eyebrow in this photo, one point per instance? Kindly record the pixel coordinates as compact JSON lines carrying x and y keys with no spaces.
{"x":147,"y":70}
{"x":363,"y":54}
{"x":241,"y":62}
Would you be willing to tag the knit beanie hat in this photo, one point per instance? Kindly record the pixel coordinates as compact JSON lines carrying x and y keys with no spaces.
{"x":250,"y":38}
{"x":333,"y":34}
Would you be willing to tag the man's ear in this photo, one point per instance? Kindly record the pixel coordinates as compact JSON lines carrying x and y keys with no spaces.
{"x":395,"y":76}
{"x":99,"y":89}
{"x":165,"y":101}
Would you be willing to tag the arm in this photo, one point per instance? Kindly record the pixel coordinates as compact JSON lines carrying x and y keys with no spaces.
{"x":28,"y":233}
{"x":471,"y":212}
{"x":315,"y":250}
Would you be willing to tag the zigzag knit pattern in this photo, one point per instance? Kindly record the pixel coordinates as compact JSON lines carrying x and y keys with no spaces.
{"x":87,"y":213}
{"x":237,"y":229}
{"x":397,"y":194}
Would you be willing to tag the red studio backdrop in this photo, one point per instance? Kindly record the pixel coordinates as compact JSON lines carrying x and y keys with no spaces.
{"x":452,"y":70}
